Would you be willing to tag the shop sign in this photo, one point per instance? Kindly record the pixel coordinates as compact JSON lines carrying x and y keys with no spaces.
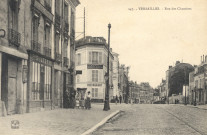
{"x":94,"y":84}
{"x":90,"y":66}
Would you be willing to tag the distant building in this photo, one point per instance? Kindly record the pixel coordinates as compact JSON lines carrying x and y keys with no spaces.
{"x":146,"y":93}
{"x":91,"y":67}
{"x":116,"y":90}
{"x":191,"y":95}
{"x":124,"y":82}
{"x":199,"y":94}
{"x":177,"y":77}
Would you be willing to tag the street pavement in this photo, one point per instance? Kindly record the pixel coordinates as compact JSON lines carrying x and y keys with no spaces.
{"x":158,"y":119}
{"x":56,"y":122}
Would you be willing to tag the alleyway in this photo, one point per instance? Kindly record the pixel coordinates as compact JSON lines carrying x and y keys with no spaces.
{"x":158,"y":120}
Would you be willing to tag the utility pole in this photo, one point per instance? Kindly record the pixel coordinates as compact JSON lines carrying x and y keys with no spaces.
{"x":84,"y":25}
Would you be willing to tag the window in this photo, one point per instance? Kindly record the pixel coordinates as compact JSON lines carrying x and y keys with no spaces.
{"x":66,"y":13}
{"x":57,"y":6}
{"x":47,"y":35}
{"x":94,"y":75}
{"x":47,"y":88}
{"x":57,"y":38}
{"x":13,"y":16}
{"x":36,"y":81}
{"x":95,"y":58}
{"x":79,"y":58}
{"x":38,"y":92}
{"x":65,"y":48}
{"x":94,"y":92}
{"x":35,"y":26}
{"x":72,"y":19}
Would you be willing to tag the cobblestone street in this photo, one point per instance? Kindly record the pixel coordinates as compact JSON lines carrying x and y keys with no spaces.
{"x":158,"y":120}
{"x":56,"y":122}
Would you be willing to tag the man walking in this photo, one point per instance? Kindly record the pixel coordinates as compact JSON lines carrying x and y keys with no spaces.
{"x":120,"y":98}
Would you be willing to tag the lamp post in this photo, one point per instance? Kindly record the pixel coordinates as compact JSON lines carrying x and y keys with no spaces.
{"x":195,"y":97}
{"x":106,"y":102}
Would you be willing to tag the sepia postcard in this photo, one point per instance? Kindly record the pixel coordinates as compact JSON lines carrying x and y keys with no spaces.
{"x":103,"y":67}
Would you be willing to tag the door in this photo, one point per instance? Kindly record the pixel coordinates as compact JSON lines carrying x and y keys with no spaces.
{"x":12,"y":86}
{"x":12,"y":95}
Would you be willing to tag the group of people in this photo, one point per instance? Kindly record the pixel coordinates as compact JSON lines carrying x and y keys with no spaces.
{"x":118,"y":99}
{"x":85,"y":103}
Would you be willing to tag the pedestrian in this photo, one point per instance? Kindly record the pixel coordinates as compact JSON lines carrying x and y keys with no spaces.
{"x":120,"y":98}
{"x":88,"y":101}
{"x":116,"y":99}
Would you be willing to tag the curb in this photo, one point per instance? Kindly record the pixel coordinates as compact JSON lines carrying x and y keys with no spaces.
{"x":191,"y":106}
{"x":89,"y":131}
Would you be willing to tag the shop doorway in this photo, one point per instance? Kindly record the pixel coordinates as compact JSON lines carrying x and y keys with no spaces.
{"x":9,"y":83}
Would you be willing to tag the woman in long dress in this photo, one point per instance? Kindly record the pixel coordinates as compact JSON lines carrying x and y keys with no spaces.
{"x":88,"y":101}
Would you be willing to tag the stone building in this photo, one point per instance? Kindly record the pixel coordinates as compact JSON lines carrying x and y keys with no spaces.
{"x":13,"y":56}
{"x":116,"y":90}
{"x":37,"y":54}
{"x":124,"y":82}
{"x":199,"y":93}
{"x":91,"y":67}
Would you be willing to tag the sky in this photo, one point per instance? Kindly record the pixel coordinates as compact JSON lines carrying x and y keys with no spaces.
{"x":148,"y":41}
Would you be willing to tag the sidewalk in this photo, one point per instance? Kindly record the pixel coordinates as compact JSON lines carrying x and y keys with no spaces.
{"x":56,"y":122}
{"x":204,"y":107}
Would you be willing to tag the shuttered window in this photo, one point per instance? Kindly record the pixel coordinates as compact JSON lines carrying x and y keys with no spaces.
{"x":94,"y":75}
{"x":90,"y":57}
{"x":100,"y":57}
{"x":94,"y":92}
{"x":95,"y":58}
{"x":79,"y":58}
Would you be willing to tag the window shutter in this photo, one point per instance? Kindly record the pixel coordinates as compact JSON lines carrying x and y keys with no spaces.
{"x":100,"y":76}
{"x":89,"y":75}
{"x":90,"y":57}
{"x":100,"y":57}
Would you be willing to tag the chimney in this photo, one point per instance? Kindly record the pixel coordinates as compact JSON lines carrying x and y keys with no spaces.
{"x":170,"y":67}
{"x":177,"y":62}
{"x":110,"y":49}
{"x":203,"y":58}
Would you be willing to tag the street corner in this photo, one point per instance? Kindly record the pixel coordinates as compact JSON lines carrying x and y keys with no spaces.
{"x":110,"y":117}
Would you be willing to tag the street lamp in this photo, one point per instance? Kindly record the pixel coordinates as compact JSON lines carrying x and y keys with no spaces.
{"x":195,"y":97}
{"x":106,"y":102}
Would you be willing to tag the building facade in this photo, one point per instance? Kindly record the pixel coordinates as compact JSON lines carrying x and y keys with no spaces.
{"x":40,"y":39}
{"x":91,"y":67}
{"x":200,"y":82}
{"x":124,"y":82}
{"x":116,"y":90}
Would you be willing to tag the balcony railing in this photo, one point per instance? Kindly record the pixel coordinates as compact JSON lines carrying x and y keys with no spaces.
{"x":47,"y":51}
{"x":36,"y":46}
{"x":47,"y":6}
{"x":65,"y":61}
{"x":14,"y":37}
{"x":58,"y":57}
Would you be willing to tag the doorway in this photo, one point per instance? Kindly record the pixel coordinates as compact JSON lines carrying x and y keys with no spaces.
{"x":9,"y":83}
